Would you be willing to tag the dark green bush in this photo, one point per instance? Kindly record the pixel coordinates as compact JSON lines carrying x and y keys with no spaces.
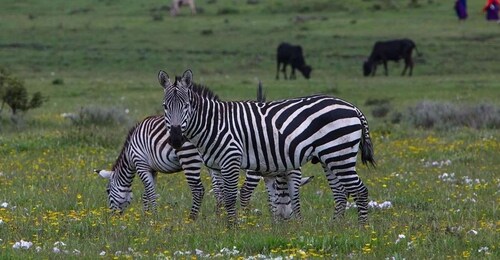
{"x":14,"y":94}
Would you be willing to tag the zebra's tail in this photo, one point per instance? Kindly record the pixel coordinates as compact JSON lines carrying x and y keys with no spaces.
{"x":366,"y":142}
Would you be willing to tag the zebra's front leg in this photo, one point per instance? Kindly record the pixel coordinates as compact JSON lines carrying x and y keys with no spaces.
{"x":294,"y":182}
{"x":149,"y":196}
{"x":230,"y":177}
{"x":197,"y":192}
{"x":246,"y":191}
{"x":217,"y":184}
{"x":339,"y":195}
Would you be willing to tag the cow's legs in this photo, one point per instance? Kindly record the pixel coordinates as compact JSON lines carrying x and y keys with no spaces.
{"x":284,"y":69}
{"x":410,"y":62}
{"x":374,"y":69}
{"x":278,"y":70}
{"x":292,"y":75}
{"x":404,"y":70}
{"x":385,"y":68}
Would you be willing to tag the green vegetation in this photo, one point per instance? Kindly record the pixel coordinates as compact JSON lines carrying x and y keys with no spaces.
{"x":97,"y":63}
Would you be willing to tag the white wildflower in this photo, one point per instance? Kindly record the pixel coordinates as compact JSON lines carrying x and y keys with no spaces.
{"x":472,"y":232}
{"x":56,"y":250}
{"x":59,"y":243}
{"x":22,"y":244}
{"x":38,"y":249}
{"x":103,"y":253}
{"x":400,"y":236}
{"x":4,"y":205}
{"x":117,"y":253}
{"x":410,"y":245}
{"x":69,"y":115}
{"x":385,"y":205}
{"x":76,"y":252}
{"x":198,"y":252}
{"x":1,"y":221}
{"x":182,"y":253}
{"x":483,"y":249}
{"x":227,"y":251}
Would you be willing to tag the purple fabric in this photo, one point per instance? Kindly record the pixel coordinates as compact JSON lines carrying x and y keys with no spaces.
{"x":492,"y":12}
{"x":461,"y":9}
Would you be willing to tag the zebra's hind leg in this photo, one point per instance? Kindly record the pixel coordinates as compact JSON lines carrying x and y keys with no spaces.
{"x":339,"y":195}
{"x":361,"y":199}
{"x":246,"y":191}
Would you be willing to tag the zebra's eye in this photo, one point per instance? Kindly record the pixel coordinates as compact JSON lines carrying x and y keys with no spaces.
{"x":164,"y":106}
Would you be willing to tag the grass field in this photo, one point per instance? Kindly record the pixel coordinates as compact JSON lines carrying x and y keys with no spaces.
{"x":443,"y":183}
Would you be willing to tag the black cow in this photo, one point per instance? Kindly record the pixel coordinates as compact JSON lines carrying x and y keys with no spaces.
{"x":390,"y":50}
{"x":292,"y":54}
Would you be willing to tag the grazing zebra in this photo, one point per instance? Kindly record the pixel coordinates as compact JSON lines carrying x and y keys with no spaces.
{"x":276,"y":136}
{"x":146,"y":152}
{"x":153,"y":154}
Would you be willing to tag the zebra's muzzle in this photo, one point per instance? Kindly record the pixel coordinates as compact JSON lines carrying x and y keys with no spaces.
{"x":176,"y":140}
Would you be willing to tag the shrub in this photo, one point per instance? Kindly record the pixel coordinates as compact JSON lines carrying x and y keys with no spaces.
{"x":381,"y":107}
{"x":444,"y":115}
{"x":58,"y":81}
{"x":98,"y":116}
{"x":227,"y":10}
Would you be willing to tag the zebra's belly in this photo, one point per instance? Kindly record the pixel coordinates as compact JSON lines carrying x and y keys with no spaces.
{"x":166,"y":163}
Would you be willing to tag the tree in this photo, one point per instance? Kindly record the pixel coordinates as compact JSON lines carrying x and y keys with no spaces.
{"x":14,"y":94}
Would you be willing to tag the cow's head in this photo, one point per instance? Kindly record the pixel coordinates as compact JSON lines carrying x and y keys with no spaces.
{"x":306,"y":71}
{"x":367,"y":68}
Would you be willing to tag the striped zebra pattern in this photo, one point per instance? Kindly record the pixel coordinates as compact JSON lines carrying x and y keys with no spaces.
{"x":146,"y":151}
{"x":271,"y":137}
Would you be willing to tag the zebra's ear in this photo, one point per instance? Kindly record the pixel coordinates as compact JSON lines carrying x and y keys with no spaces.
{"x":187,"y":77}
{"x":105,"y":174}
{"x":164,"y":79}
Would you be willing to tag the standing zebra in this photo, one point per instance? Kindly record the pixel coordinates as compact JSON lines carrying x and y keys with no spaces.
{"x":277,"y":136}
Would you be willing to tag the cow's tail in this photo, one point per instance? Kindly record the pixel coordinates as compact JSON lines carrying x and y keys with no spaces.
{"x":419,"y":54}
{"x":260,"y":93}
{"x":366,"y":142}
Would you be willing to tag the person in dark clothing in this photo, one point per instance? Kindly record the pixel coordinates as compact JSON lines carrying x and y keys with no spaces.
{"x":461,"y":9}
{"x":491,"y":10}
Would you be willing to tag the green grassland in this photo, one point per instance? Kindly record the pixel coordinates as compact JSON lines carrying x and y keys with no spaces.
{"x":444,"y":185}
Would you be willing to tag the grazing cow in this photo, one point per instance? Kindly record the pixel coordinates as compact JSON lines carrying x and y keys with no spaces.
{"x":292,"y":54}
{"x":390,"y":50}
{"x":176,"y":4}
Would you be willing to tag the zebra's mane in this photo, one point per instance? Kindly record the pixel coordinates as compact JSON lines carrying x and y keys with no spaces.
{"x":204,"y":91}
{"x":124,"y":148}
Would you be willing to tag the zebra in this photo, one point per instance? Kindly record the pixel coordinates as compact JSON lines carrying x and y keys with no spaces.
{"x":270,"y":137}
{"x":146,"y":151}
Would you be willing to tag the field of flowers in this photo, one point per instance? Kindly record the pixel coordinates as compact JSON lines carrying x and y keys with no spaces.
{"x":434,"y":194}
{"x":431,"y":196}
